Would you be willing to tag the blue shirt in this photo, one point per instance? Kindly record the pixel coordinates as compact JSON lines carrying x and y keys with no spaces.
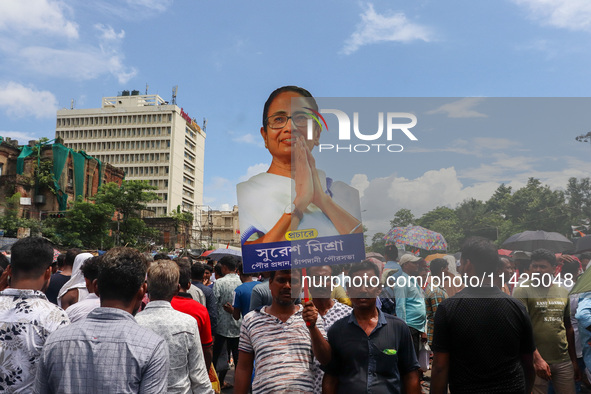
{"x":410,"y":302}
{"x":365,"y":364}
{"x":242,"y":296}
{"x":583,"y":316}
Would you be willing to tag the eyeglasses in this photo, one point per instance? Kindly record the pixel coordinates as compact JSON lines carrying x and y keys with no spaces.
{"x":300,"y":119}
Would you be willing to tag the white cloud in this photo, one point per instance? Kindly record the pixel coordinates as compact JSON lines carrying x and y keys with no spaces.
{"x":439,"y":187}
{"x":81,"y":62}
{"x":250,"y":139}
{"x":384,"y":196}
{"x":44,"y":21}
{"x":108,"y":33}
{"x":43,"y":16}
{"x":460,"y":109}
{"x":225,"y":207}
{"x":504,"y":168}
{"x":254,"y":170}
{"x":564,"y":14}
{"x":156,"y":5}
{"x":360,"y":182}
{"x":557,"y":179}
{"x":19,"y":101}
{"x":375,"y":28}
{"x":130,"y":9}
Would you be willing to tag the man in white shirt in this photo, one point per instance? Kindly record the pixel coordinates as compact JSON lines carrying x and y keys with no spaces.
{"x":188,"y":373}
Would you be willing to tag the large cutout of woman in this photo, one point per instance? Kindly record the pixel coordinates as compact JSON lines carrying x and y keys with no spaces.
{"x":293,"y":194}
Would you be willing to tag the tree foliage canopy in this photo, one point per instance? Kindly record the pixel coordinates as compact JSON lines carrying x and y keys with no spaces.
{"x":129,"y":198}
{"x":402,"y":218}
{"x":86,"y":225}
{"x":532,"y":207}
{"x":91,"y":225}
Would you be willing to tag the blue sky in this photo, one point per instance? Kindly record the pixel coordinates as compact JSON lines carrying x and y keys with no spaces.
{"x":226,"y":57}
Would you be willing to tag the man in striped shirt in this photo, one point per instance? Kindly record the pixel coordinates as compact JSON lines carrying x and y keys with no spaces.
{"x":280,"y":342}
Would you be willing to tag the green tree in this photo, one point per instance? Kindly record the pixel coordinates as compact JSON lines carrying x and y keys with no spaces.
{"x":499,"y":200}
{"x":378,"y":243}
{"x":578,"y":195}
{"x":402,"y":218}
{"x":10,"y":222}
{"x":182,"y":220}
{"x":474,"y":219}
{"x":364,"y":228}
{"x":537,"y":207}
{"x":129,"y":200}
{"x":86,"y":225}
{"x":44,"y":174}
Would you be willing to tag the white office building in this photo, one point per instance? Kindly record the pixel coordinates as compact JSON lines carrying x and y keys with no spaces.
{"x":148,"y":138}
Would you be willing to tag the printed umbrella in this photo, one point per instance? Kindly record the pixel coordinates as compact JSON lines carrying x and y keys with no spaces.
{"x":529,"y":241}
{"x":417,"y":237}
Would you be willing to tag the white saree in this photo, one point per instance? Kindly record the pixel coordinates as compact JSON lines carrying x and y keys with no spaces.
{"x":264,"y":198}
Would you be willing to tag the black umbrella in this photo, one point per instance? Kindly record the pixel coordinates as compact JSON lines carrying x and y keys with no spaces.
{"x":531,"y":240}
{"x":219,"y":253}
{"x":583,"y":244}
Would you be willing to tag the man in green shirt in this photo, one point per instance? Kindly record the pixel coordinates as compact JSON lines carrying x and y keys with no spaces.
{"x":548,"y":308}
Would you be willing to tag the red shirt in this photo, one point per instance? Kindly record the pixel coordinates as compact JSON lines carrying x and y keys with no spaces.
{"x":188,"y":305}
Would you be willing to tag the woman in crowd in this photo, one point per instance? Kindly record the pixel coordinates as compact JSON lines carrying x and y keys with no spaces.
{"x":74,"y":290}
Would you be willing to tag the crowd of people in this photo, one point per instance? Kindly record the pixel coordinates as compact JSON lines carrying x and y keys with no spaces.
{"x":127,"y":322}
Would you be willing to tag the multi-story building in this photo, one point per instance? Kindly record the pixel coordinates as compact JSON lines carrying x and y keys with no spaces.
{"x":220,"y":227}
{"x":149,"y":139}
